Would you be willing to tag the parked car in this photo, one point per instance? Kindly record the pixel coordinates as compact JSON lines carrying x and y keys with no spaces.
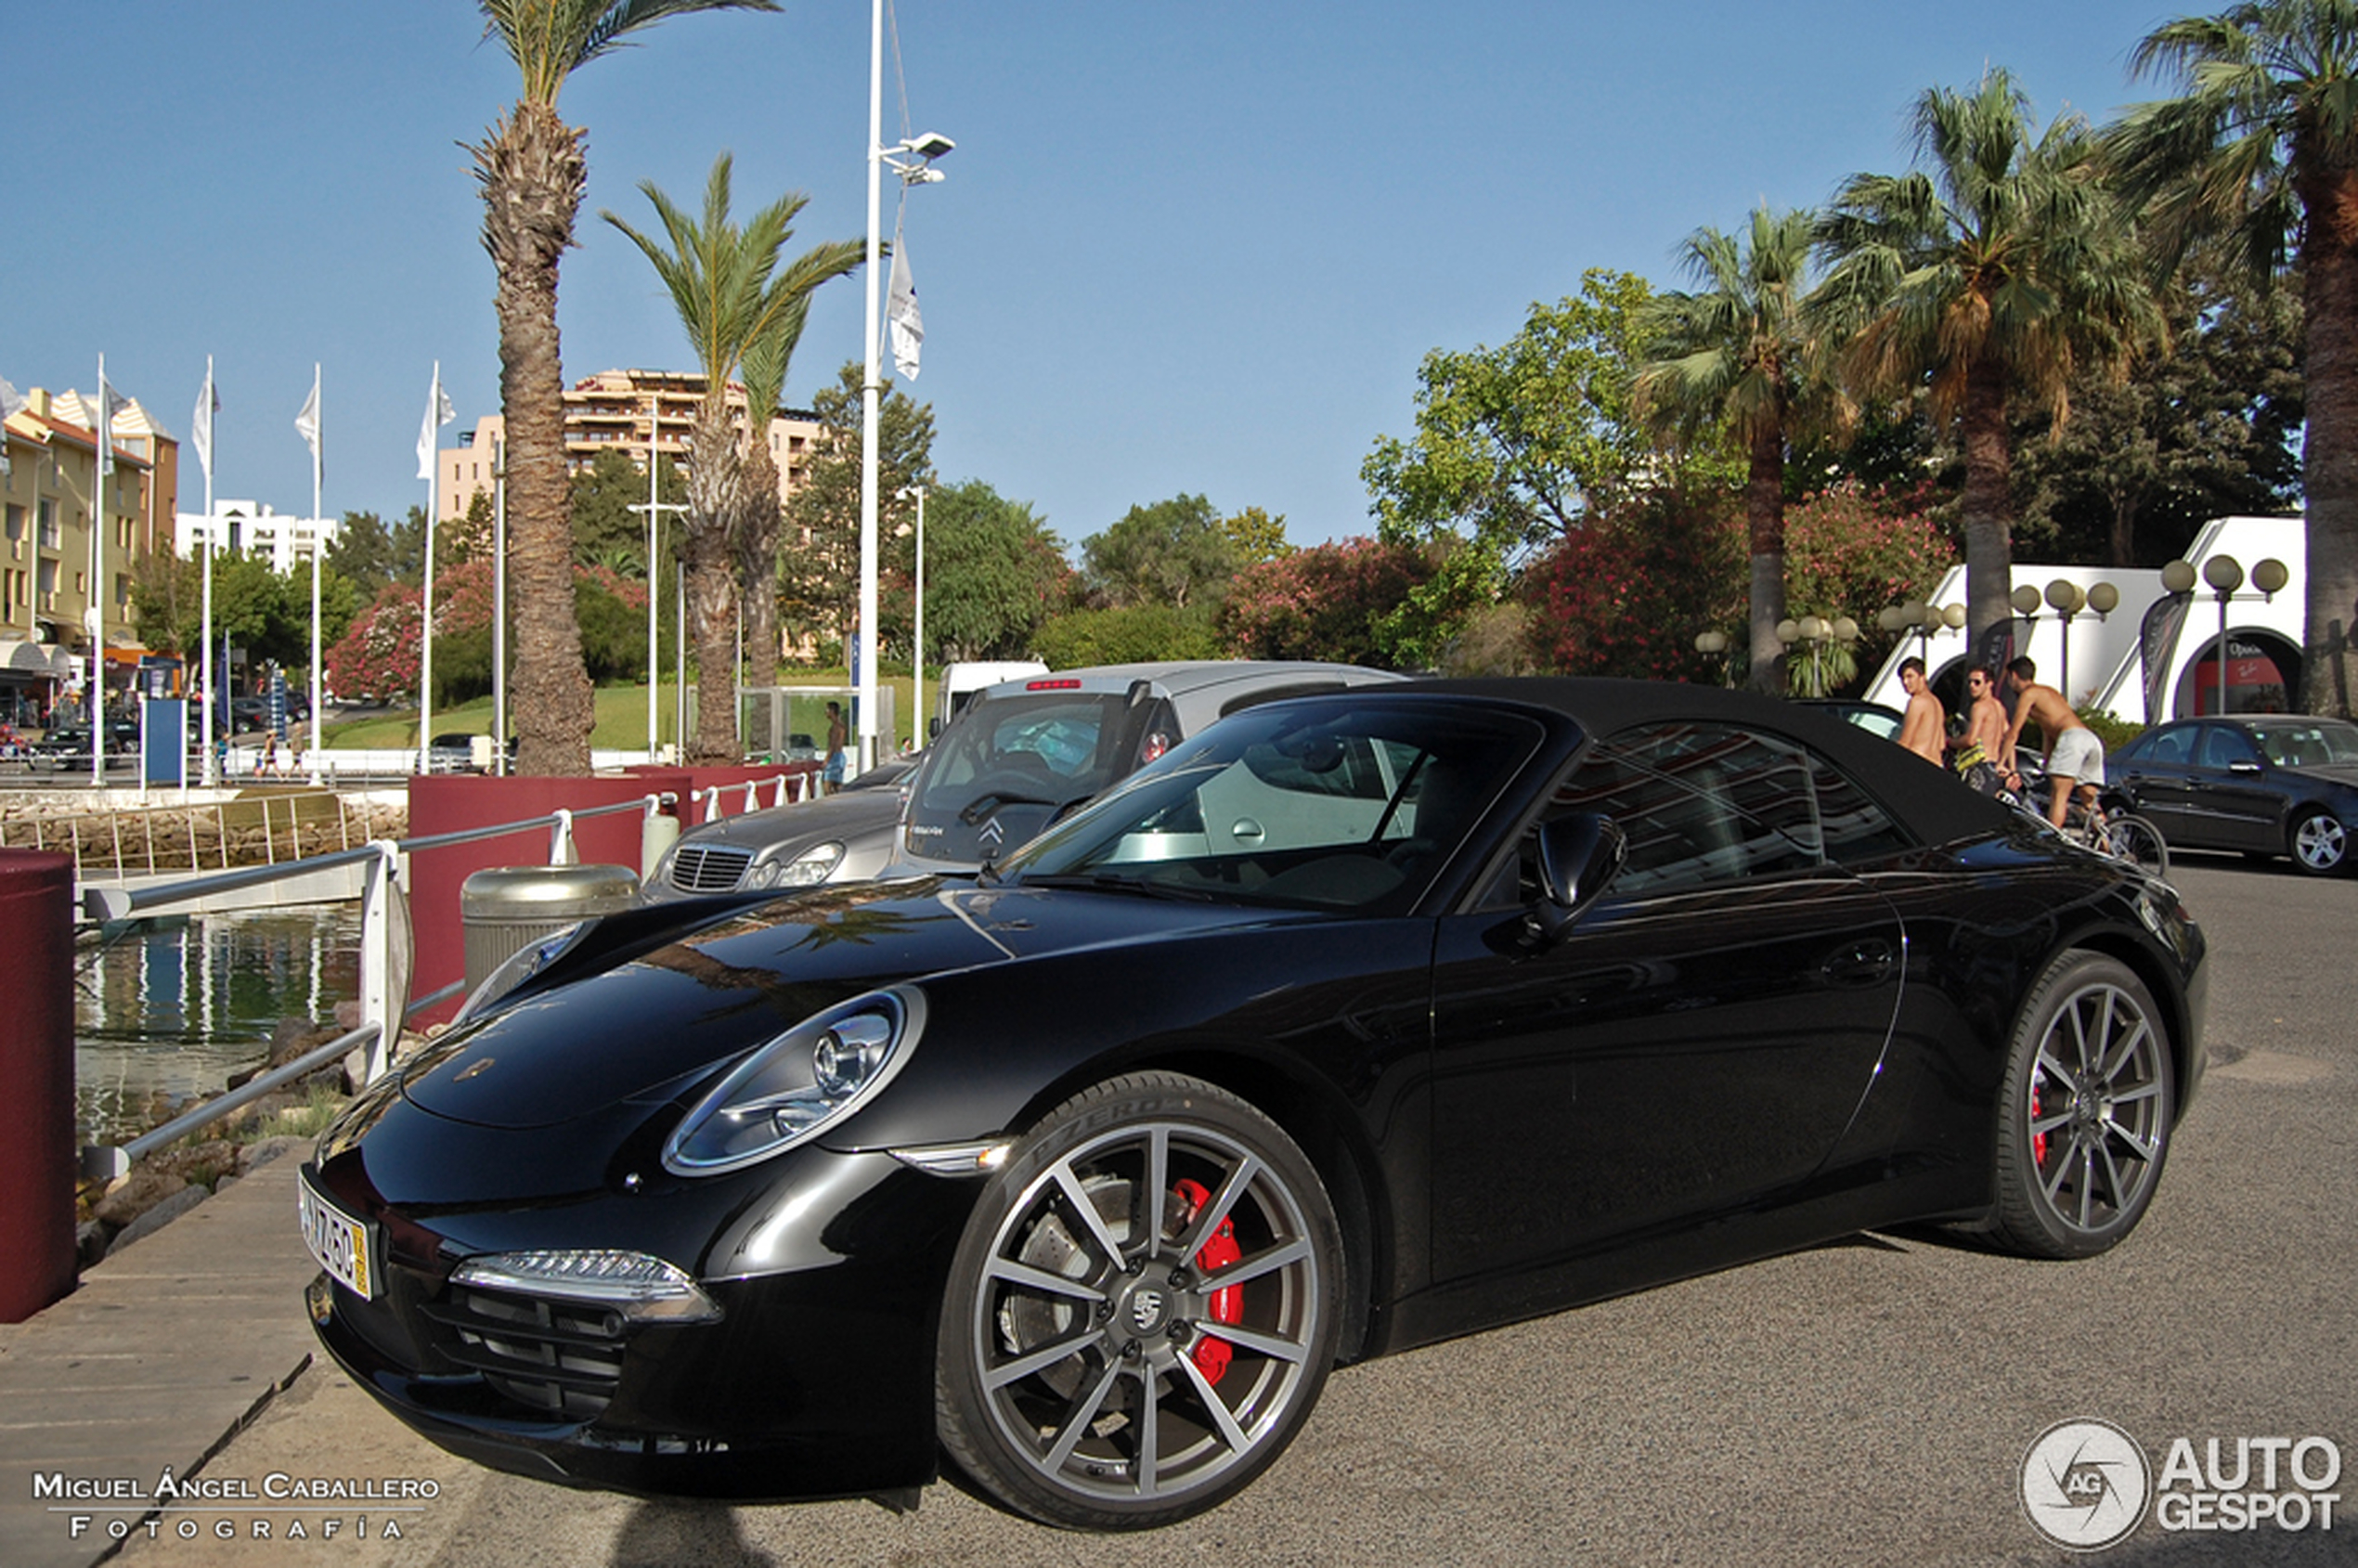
{"x":2267,"y":784}
{"x":845,"y":837}
{"x":67,"y":747}
{"x":1026,"y":751}
{"x":840,"y":839}
{"x":1352,"y":1023}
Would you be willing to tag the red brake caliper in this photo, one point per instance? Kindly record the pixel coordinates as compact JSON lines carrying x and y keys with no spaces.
{"x":2037,"y":1140}
{"x":1211,"y":1354}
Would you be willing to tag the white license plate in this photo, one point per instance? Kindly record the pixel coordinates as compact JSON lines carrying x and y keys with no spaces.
{"x":339,"y":1242}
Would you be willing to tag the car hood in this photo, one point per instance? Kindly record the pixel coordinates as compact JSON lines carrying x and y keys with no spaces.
{"x":830,"y":816}
{"x":652,"y":1028}
{"x":2342,"y":773}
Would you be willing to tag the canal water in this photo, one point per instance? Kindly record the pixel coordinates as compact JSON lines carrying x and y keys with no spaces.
{"x":171,"y":1009}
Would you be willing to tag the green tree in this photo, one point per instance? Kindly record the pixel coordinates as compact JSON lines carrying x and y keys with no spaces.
{"x":2002,"y":268}
{"x":605,"y":529}
{"x":726,"y":284}
{"x":533,"y":171}
{"x":994,"y":574}
{"x":819,"y":569}
{"x":1256,"y":536}
{"x":1177,"y":552}
{"x":2261,"y":147}
{"x":1737,"y":361}
{"x":1514,"y":447}
{"x":1136,"y":634}
{"x":2210,"y":429}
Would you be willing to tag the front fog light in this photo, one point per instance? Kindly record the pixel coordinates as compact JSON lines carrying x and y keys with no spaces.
{"x":644,"y":1288}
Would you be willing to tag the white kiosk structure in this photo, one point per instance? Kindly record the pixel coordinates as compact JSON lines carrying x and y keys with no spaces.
{"x":2160,"y":653}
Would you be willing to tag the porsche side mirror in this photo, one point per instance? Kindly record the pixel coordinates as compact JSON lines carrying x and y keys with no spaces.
{"x":1579,"y":856}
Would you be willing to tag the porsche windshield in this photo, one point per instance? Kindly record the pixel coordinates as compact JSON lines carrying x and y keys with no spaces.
{"x":1328,"y":805}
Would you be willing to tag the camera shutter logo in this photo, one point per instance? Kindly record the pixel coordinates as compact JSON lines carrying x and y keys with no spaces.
{"x":2085,"y":1484}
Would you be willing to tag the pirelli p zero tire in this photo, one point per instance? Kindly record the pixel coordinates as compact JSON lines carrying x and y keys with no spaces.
{"x":1143,"y":1309}
{"x":2085,"y":1117}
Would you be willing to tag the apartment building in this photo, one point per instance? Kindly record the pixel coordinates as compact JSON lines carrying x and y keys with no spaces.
{"x":627,"y":410}
{"x":254,"y":528}
{"x":68,"y":539}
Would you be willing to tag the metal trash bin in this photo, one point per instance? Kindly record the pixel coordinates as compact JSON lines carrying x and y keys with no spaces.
{"x":502,"y":909}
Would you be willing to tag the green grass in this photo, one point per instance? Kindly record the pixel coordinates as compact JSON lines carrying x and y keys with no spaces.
{"x":622,"y":716}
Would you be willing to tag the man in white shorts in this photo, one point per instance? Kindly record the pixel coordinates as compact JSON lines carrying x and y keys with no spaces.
{"x":2075,"y":754}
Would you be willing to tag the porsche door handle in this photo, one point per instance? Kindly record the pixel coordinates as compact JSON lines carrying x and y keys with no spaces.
{"x":1860,"y":964}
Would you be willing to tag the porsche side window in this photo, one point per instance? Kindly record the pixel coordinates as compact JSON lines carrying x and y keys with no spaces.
{"x":1700,"y":804}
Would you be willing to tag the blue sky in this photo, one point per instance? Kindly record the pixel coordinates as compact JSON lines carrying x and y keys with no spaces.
{"x":1191,"y":247}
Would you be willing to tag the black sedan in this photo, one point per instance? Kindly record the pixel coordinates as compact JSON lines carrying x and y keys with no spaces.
{"x":1354,"y":1023}
{"x":2269,"y":784}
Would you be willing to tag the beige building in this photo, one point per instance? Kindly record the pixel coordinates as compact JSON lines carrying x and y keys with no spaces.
{"x":625,"y":410}
{"x":50,"y":489}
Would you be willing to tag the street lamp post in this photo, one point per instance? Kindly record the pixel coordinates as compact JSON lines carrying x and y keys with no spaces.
{"x":1713,"y":644}
{"x":922,"y":149}
{"x":2225,"y":575}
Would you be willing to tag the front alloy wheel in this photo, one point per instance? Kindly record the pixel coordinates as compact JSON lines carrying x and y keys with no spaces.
{"x":2320,"y":844}
{"x":1143,"y":1309}
{"x":2084,"y":1119}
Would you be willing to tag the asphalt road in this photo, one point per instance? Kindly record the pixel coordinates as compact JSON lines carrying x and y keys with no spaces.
{"x":1870,"y":1402}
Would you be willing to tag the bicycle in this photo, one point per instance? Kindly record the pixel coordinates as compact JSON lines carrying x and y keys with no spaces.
{"x":2123,"y":835}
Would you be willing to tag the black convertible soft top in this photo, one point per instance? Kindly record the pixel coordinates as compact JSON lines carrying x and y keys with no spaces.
{"x":1931,"y":801}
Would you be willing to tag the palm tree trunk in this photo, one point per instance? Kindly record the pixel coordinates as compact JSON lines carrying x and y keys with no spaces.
{"x":2329,"y":457}
{"x":1988,"y":507}
{"x":713,"y":486}
{"x":533,"y":174}
{"x":758,"y":562}
{"x":1764,"y":520}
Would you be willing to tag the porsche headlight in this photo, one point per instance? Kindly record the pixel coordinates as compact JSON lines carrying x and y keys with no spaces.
{"x":518,"y":967}
{"x":817,"y":1072}
{"x":808,"y":868}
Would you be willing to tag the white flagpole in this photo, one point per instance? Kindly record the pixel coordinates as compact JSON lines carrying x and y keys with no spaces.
{"x":655,"y":448}
{"x":425,"y":657}
{"x":204,"y":724}
{"x":94,"y":701}
{"x":499,"y":603}
{"x":316,"y":539}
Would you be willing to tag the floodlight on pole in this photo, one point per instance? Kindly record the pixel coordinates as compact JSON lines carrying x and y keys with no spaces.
{"x":912,"y":161}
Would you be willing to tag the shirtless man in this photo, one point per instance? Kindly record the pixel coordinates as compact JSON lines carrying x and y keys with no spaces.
{"x":1925,"y":729}
{"x":2075,"y":756}
{"x":1985,"y":715}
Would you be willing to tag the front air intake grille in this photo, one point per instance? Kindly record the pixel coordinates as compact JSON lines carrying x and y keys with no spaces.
{"x":555,"y":1358}
{"x":697,"y":868}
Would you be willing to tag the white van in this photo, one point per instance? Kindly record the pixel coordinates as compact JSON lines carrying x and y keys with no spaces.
{"x":961,"y":682}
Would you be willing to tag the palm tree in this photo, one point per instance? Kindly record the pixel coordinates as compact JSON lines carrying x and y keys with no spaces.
{"x":1740,"y":357}
{"x":533,"y":174}
{"x":726,"y":284}
{"x":756,"y":534}
{"x":2000,"y":271}
{"x":2261,"y":148}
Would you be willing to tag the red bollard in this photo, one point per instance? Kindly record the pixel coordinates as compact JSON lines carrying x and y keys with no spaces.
{"x":38,"y":1154}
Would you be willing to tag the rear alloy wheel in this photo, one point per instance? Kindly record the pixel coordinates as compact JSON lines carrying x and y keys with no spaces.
{"x":2084,"y":1119}
{"x":2320,"y":844}
{"x":1143,"y":1309}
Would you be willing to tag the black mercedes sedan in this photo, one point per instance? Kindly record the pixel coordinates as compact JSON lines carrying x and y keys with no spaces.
{"x":1354,"y":1023}
{"x":2267,"y":784}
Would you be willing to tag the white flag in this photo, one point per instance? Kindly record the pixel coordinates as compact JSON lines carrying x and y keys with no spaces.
{"x":900,"y":310}
{"x":201,"y":427}
{"x":10,"y":400}
{"x":307,"y":422}
{"x":110,"y":403}
{"x":438,"y":413}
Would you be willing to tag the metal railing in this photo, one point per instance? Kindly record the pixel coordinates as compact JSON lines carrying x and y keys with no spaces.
{"x":383,"y":907}
{"x":786,"y":789}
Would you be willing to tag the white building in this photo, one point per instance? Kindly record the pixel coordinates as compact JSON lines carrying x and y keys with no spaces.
{"x":252,"y":527}
{"x":2157,"y":655}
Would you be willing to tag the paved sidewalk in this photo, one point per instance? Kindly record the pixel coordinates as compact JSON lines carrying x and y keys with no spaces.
{"x":165,"y":1351}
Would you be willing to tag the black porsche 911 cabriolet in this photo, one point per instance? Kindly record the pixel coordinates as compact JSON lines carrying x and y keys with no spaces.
{"x":1354,"y":1022}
